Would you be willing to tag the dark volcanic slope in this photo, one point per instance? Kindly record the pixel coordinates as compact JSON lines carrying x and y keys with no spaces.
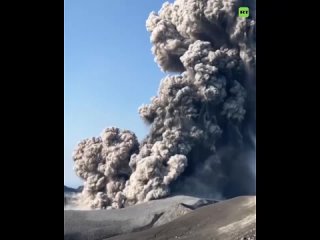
{"x":99,"y":224}
{"x":232,"y":219}
{"x":69,"y":194}
{"x":70,"y":190}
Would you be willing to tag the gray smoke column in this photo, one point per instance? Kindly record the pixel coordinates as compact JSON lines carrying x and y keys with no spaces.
{"x":104,"y":165}
{"x":202,"y":121}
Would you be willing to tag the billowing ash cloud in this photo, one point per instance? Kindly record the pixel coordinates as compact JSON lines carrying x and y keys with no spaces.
{"x":202,"y":121}
{"x":104,"y":165}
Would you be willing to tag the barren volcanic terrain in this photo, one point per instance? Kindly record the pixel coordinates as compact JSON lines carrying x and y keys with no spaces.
{"x":178,"y":217}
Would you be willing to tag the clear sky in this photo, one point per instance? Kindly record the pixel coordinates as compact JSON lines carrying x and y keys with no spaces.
{"x":109,"y":70}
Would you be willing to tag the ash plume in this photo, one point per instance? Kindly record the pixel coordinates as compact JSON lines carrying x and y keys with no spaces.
{"x":202,"y":121}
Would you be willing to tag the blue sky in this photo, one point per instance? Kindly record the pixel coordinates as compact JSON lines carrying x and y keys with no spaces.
{"x":109,"y":70}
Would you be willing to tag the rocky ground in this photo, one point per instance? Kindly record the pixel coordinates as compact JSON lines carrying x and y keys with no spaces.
{"x":96,"y":224}
{"x":179,"y":217}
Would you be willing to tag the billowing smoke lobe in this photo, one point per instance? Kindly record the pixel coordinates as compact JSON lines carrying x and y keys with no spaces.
{"x":202,"y":121}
